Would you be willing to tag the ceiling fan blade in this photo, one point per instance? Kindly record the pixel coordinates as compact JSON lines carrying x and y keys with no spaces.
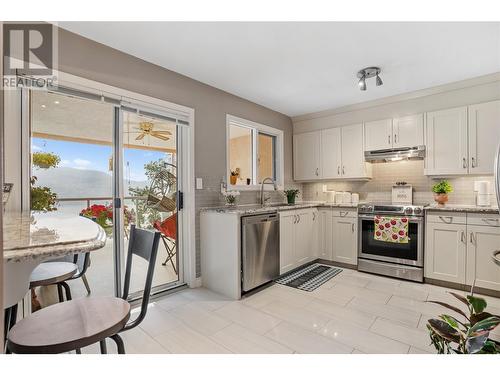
{"x":140,"y":136}
{"x":163,"y":138}
{"x":162,"y":132}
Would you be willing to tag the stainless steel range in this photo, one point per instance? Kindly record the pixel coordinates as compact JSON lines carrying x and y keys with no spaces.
{"x":401,"y":260}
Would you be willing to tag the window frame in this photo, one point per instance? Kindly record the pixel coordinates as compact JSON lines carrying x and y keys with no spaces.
{"x":279,"y":154}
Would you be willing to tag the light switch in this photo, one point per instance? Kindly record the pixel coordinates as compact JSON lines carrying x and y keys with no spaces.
{"x":199,"y":183}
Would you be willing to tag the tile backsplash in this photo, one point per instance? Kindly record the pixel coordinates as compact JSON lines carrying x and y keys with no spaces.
{"x":385,"y":175}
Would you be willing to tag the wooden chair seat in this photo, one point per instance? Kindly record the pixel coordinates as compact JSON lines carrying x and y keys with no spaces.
{"x":52,"y":273}
{"x":68,"y":326}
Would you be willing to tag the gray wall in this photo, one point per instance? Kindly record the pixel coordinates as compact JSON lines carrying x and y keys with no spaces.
{"x":85,"y":58}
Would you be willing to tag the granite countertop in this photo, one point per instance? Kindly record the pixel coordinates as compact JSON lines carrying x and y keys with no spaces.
{"x":276,"y":207}
{"x":42,"y":236}
{"x":463,"y":208}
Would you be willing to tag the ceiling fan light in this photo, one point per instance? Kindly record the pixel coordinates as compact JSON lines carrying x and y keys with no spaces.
{"x":378,"y":81}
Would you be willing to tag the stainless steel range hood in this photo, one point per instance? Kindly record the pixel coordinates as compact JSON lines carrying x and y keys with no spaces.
{"x":395,"y":154}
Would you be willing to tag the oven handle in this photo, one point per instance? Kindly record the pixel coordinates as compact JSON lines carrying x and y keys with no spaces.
{"x":411,"y":219}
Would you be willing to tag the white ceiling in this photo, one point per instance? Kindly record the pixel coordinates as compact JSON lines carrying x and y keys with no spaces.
{"x":298,"y":68}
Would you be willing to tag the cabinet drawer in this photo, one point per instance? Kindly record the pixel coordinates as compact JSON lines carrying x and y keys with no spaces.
{"x":346,"y":212}
{"x":447,"y":217}
{"x":492,"y":220}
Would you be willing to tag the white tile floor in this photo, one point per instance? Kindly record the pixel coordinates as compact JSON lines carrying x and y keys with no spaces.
{"x":352,"y":313}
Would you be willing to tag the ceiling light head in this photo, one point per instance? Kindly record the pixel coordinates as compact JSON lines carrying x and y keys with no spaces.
{"x":369,"y":72}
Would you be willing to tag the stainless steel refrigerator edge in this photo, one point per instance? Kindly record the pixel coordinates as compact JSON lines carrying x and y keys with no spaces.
{"x":260,"y":250}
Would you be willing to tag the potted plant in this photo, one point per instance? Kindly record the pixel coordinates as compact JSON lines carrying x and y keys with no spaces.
{"x":234,"y":176}
{"x":230,"y":197}
{"x":42,"y":197}
{"x":441,"y":190}
{"x":291,"y":194}
{"x":448,"y":335}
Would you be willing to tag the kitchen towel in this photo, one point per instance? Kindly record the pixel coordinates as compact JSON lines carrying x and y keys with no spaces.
{"x":391,"y":229}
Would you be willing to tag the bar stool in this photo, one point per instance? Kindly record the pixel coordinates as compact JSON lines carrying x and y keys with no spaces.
{"x":50,"y":273}
{"x":74,"y":324}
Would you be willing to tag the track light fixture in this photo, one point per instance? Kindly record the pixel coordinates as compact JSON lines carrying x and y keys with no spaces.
{"x":369,"y":72}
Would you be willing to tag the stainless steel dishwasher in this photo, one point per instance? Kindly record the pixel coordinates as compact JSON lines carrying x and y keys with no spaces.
{"x":260,"y":249}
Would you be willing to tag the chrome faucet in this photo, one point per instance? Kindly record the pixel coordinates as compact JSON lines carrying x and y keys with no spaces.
{"x":262,"y":200}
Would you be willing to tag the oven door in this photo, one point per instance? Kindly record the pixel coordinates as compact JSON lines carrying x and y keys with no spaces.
{"x":410,"y":253}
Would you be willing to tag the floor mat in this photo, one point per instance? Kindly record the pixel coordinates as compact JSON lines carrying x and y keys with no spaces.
{"x":310,"y":277}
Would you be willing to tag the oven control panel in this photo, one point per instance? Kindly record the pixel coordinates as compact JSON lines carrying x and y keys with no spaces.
{"x":390,"y":210}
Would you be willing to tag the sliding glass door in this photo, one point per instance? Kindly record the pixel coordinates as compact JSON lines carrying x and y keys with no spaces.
{"x":117,"y":166}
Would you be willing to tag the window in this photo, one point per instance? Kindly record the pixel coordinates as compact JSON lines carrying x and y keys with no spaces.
{"x":254,"y":152}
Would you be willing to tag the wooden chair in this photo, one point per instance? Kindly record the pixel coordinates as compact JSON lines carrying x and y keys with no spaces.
{"x":168,"y":230}
{"x":74,"y":324}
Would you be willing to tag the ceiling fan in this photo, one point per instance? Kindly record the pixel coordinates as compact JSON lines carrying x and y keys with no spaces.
{"x":147,"y":128}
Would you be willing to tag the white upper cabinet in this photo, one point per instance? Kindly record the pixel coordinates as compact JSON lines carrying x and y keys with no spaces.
{"x":307,"y":156}
{"x":484,"y":136}
{"x":446,"y":142}
{"x":353,"y":159}
{"x":331,"y":153}
{"x":378,"y":135}
{"x":408,"y":131}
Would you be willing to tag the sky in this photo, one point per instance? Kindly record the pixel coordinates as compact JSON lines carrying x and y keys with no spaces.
{"x":96,"y":157}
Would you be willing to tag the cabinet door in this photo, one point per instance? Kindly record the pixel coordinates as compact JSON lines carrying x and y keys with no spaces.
{"x":287,"y":242}
{"x":378,"y":135}
{"x":345,"y":240}
{"x":408,"y":131}
{"x":304,"y":237}
{"x":353,"y":159}
{"x":325,"y":234}
{"x":306,"y":156}
{"x":445,"y":248}
{"x":483,"y":240}
{"x":446,"y":142}
{"x":331,"y":153}
{"x":484,"y":136}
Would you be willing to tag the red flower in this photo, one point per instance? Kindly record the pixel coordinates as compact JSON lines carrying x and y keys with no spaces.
{"x":401,"y":232}
{"x":381,"y":227}
{"x":378,"y":234}
{"x":393,"y":222}
{"x":377,"y":221}
{"x":404,"y":219}
{"x":387,"y":225}
{"x":394,"y":236}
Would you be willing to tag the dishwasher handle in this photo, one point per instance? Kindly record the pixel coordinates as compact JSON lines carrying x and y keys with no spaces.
{"x":255,"y":219}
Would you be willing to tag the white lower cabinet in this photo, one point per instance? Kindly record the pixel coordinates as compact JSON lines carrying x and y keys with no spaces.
{"x":298,"y":238}
{"x":483,"y":240}
{"x":445,"y":249}
{"x":345,"y":237}
{"x":459,"y":252}
{"x":325,"y":234}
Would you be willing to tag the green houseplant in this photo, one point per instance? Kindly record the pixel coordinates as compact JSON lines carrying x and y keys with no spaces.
{"x":291,"y":194}
{"x":42,"y":197}
{"x":441,"y":190}
{"x":451,"y":336}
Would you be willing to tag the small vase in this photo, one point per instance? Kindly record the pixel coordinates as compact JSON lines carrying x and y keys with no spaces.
{"x":233,"y":179}
{"x":441,"y":199}
{"x":290,"y":199}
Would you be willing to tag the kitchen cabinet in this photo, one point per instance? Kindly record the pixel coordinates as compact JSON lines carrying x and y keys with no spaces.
{"x":378,"y":135}
{"x":298,"y":238}
{"x":408,"y":131}
{"x":353,"y":158}
{"x":446,"y":142}
{"x":483,"y":240}
{"x":484,"y":136}
{"x":400,"y":132}
{"x":345,"y":237}
{"x":307,"y":156}
{"x":331,"y":153}
{"x":445,"y":251}
{"x":325,"y":234}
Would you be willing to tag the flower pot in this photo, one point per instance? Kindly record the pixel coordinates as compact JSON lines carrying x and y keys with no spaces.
{"x":233,"y":179}
{"x":441,"y":198}
{"x":290,"y":199}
